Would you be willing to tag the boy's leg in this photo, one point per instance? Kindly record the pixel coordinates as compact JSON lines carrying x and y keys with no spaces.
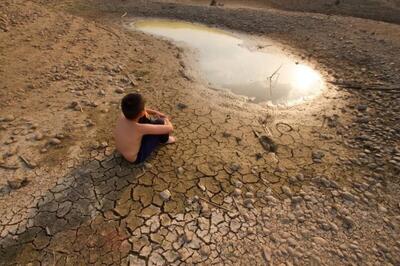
{"x":148,"y":145}
{"x":150,"y":142}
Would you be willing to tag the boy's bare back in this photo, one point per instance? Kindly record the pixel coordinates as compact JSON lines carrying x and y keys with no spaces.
{"x":127,"y":138}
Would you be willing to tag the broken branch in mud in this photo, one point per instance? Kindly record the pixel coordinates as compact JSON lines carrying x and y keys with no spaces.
{"x":267,"y":130}
{"x":374,"y":87}
{"x":133,"y":82}
{"x":237,"y":206}
{"x":215,"y":204}
{"x":27,"y":162}
{"x":9,"y":167}
{"x":271,"y":77}
{"x":266,"y":142}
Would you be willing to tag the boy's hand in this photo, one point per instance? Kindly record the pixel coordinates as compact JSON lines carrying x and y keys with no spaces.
{"x":157,"y":113}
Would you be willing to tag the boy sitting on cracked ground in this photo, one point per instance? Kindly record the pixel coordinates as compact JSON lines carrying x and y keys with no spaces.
{"x":140,"y":130}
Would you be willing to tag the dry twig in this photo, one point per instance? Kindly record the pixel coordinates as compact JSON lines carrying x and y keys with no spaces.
{"x":215,"y":204}
{"x":9,"y":167}
{"x":270,"y":79}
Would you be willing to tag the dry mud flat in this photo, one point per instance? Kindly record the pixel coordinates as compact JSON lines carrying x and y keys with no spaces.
{"x":379,"y":10}
{"x":328,"y":196}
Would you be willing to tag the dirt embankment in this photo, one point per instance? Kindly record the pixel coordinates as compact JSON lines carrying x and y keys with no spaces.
{"x":380,"y":10}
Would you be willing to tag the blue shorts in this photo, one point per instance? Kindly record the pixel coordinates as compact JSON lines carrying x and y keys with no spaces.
{"x":150,"y":142}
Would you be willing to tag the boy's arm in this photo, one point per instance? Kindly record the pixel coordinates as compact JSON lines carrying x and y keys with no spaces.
{"x":154,"y":112}
{"x":149,"y":129}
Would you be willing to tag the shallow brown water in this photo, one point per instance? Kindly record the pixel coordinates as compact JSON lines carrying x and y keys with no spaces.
{"x":227,"y":62}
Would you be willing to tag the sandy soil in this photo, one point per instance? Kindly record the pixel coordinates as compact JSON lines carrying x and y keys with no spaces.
{"x":328,"y":196}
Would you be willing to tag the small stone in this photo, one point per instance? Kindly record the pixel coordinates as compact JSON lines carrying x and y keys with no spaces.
{"x":148,"y":165}
{"x":204,"y":251}
{"x":319,"y":240}
{"x":38,"y":136}
{"x":202,"y":187}
{"x":89,"y":123}
{"x":54,"y":141}
{"x":361,"y":107}
{"x":334,"y":227}
{"x":119,"y":90}
{"x":237,"y":192}
{"x":248,"y":203}
{"x":205,"y":209}
{"x":296,"y":200}
{"x":181,"y":106}
{"x":348,"y":222}
{"x":188,"y":236}
{"x":93,"y":104}
{"x":249,"y":195}
{"x":30,"y":86}
{"x":90,"y":68}
{"x":382,"y":247}
{"x":180,"y":170}
{"x":267,"y":254}
{"x":60,"y":135}
{"x":235,"y":167}
{"x":347,"y":196}
{"x":104,"y":144}
{"x":73,"y":105}
{"x":363,"y":120}
{"x":238,"y":184}
{"x":292,"y":242}
{"x":9,"y":118}
{"x":195,"y":198}
{"x":165,"y":195}
{"x":16,"y":183}
{"x":381,"y":208}
{"x":317,"y":155}
{"x":286,"y":190}
{"x":226,"y":134}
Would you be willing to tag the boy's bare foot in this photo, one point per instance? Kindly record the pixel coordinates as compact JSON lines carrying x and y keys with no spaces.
{"x":171,"y":140}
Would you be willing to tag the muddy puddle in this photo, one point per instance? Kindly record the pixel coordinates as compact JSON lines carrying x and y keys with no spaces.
{"x":225,"y":60}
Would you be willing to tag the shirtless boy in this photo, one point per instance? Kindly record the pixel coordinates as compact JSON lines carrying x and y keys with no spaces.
{"x":140,"y":131}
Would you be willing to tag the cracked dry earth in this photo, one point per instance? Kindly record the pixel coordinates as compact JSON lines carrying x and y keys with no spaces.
{"x":329,"y":195}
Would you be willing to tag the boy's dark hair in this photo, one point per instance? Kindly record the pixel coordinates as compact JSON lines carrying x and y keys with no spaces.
{"x":132,"y":104}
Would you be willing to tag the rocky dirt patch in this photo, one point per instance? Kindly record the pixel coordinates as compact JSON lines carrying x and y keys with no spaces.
{"x":327,"y":196}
